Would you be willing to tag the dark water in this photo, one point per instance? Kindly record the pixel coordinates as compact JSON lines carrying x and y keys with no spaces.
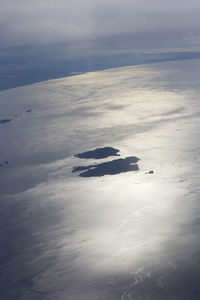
{"x":25,"y":65}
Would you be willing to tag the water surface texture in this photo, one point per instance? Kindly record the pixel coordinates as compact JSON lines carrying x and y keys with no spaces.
{"x":131,"y":235}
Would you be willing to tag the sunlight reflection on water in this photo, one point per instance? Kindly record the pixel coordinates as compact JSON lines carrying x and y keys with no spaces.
{"x":131,"y":235}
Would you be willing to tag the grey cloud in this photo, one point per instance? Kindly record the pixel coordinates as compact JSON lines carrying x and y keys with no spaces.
{"x":25,"y":21}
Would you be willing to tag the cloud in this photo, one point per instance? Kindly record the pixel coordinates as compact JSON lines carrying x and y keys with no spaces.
{"x":47,"y":21}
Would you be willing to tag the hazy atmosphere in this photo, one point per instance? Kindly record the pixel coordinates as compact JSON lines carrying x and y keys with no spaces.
{"x":42,"y":40}
{"x":99,"y":152}
{"x":39,"y":22}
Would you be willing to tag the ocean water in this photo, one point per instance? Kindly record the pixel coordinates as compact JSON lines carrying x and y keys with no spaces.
{"x":130,"y":228}
{"x":25,"y":65}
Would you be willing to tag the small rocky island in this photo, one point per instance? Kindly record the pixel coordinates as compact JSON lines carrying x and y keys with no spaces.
{"x":113,"y":167}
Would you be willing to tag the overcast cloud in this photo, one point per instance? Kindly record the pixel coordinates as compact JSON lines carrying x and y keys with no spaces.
{"x":50,"y":21}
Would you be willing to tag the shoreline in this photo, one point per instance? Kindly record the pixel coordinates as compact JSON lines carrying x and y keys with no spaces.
{"x":84,"y":65}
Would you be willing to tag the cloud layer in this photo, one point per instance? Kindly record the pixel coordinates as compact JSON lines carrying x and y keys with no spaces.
{"x":27,"y":22}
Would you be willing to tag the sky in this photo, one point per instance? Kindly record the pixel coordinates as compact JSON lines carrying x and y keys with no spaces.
{"x":26,"y":22}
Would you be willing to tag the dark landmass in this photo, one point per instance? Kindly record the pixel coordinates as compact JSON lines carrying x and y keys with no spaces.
{"x":5,"y":121}
{"x":113,"y":167}
{"x":99,"y":153}
{"x":5,"y":163}
{"x":150,"y":172}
